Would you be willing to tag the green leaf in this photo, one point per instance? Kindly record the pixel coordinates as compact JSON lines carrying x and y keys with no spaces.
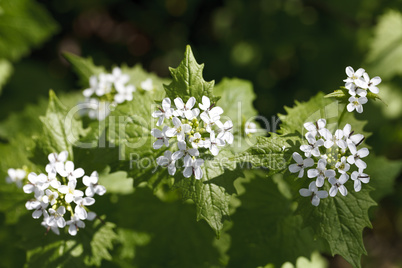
{"x":24,"y":24}
{"x":265,"y":229}
{"x":6,"y":70}
{"x":188,"y":81}
{"x":83,"y":67}
{"x":340,"y":221}
{"x":385,"y":54}
{"x":211,"y":194}
{"x":60,"y":129}
{"x":236,"y":100}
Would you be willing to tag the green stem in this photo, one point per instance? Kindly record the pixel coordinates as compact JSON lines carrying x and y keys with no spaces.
{"x":342,"y":115}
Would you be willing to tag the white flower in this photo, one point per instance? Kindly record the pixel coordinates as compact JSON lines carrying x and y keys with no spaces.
{"x":197,"y":141}
{"x":356,"y":156}
{"x":357,"y":104}
{"x":338,"y":185}
{"x":41,"y":210}
{"x":119,"y":79}
{"x":104,"y":85}
{"x":250,"y":127}
{"x":314,"y":193}
{"x":37,"y":184}
{"x":56,"y":217}
{"x":359,"y":178}
{"x":224,"y":132}
{"x":80,"y":209}
{"x":67,"y":170}
{"x":51,"y":225}
{"x":167,"y":161}
{"x":161,"y":137}
{"x":352,"y":75}
{"x":353,"y":90}
{"x":92,"y":185}
{"x":16,"y":176}
{"x":179,"y":129}
{"x":50,"y":197}
{"x":330,"y":139}
{"x":70,"y":192}
{"x":193,"y":166}
{"x":147,"y":84}
{"x":124,"y":93}
{"x":301,"y":164}
{"x":213,"y":144}
{"x":209,"y":121}
{"x":74,"y":224}
{"x":313,"y":147}
{"x":183,"y":151}
{"x":55,"y":158}
{"x":321,"y":172}
{"x":342,"y":166}
{"x":165,"y":112}
{"x":185,"y":110}
{"x":315,"y":127}
{"x":351,"y":137}
{"x":371,"y":85}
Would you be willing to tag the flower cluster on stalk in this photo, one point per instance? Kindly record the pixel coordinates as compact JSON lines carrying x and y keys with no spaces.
{"x":191,"y":131}
{"x":56,"y":194}
{"x":332,"y":159}
{"x":359,"y":83}
{"x":108,"y":89}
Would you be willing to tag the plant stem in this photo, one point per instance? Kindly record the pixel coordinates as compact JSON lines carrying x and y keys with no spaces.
{"x":342,"y":115}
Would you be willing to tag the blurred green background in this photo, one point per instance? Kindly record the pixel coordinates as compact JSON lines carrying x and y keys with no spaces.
{"x":288,"y":49}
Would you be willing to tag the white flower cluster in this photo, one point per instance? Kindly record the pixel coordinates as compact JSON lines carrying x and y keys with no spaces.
{"x":194,"y":133}
{"x":110,"y":89}
{"x":358,"y":83}
{"x":56,"y":193}
{"x":337,"y":159}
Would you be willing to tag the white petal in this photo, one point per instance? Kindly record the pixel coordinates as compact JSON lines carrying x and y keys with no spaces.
{"x":357,"y":186}
{"x":304,"y":192}
{"x":343,"y":190}
{"x":363,"y":152}
{"x":88,"y":201}
{"x":158,"y":144}
{"x":188,"y":171}
{"x":72,"y":230}
{"x":78,"y":173}
{"x":312,"y":173}
{"x":315,"y":200}
{"x":179,"y":103}
{"x":198,"y":173}
{"x":333,"y":191}
{"x":190,"y":103}
{"x":293,"y":168}
{"x":297,"y":157}
{"x":322,"y":194}
{"x":361,"y":164}
{"x":349,"y":71}
{"x":320,"y":181}
{"x":308,"y":162}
